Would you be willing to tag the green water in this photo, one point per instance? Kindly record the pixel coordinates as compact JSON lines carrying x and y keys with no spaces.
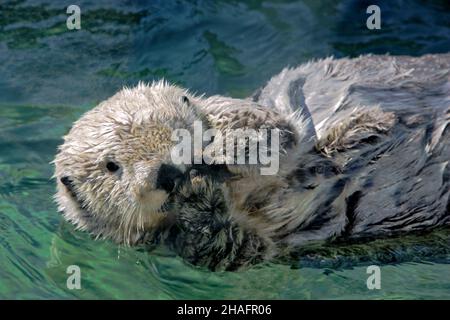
{"x":49,"y":76}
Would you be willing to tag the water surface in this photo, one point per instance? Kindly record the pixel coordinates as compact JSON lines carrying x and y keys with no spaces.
{"x":50,"y":75}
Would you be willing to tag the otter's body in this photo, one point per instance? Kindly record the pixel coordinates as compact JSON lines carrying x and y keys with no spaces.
{"x":367,"y":150}
{"x":380,"y":166}
{"x":384,"y":121}
{"x":395,"y":156}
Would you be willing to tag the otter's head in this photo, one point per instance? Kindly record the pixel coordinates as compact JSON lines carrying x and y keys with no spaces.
{"x":114,"y":171}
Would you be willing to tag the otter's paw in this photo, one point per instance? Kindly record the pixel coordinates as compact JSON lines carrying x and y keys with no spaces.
{"x":361,"y":127}
{"x":206,"y":234}
{"x":253,"y":131}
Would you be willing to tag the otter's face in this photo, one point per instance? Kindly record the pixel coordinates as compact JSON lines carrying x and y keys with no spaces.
{"x":114,"y":172}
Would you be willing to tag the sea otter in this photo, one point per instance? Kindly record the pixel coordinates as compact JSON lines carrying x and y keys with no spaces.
{"x":367,"y":149}
{"x":115,"y":174}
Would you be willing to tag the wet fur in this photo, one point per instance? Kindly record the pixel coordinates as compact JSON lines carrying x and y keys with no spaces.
{"x":380,"y":164}
{"x":365,"y":155}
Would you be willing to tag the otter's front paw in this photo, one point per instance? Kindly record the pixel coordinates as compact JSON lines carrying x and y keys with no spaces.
{"x":255,"y":133}
{"x":206,"y":233}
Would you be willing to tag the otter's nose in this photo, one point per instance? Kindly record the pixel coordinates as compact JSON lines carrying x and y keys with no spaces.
{"x":169,"y":177}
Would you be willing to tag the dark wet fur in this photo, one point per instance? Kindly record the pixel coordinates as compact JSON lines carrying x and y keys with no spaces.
{"x":204,"y":232}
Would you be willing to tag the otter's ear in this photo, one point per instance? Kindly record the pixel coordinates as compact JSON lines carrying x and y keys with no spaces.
{"x":68,"y":183}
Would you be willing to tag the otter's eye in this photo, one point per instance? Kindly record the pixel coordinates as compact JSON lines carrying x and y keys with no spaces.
{"x":112,"y":167}
{"x":185,"y":100}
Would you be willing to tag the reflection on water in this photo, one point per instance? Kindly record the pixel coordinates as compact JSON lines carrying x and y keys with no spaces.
{"x":50,"y":76}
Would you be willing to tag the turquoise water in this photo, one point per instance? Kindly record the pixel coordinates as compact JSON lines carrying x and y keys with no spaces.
{"x":50,"y":75}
